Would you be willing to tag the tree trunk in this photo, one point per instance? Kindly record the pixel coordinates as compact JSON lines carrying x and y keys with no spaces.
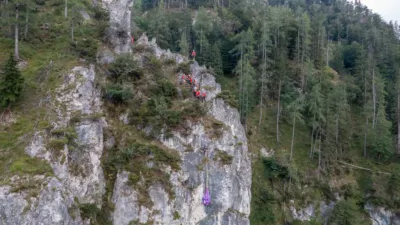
{"x":66,"y":9}
{"x":312,"y":140}
{"x":262,"y":86}
{"x":319,"y":157}
{"x":373,"y":98}
{"x":261,"y":101}
{"x":337,"y":135}
{"x":241,"y":84}
{"x":26,"y":22}
{"x":72,"y":30}
{"x":201,"y":40}
{"x":327,"y":52}
{"x":365,"y":136}
{"x":398,"y":120}
{"x":293,"y":129}
{"x":16,"y":52}
{"x":298,"y":45}
{"x":278,"y":112}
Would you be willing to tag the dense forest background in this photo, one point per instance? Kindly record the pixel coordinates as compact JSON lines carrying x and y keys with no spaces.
{"x":315,"y":82}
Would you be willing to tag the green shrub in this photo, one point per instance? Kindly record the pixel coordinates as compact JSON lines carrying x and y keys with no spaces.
{"x":85,"y":48}
{"x":102,"y":19}
{"x":344,"y":213}
{"x":143,"y":48}
{"x":134,"y":159}
{"x":154,"y":66}
{"x":193,"y":109}
{"x":57,"y":144}
{"x":125,"y":67}
{"x":89,"y":211}
{"x":176,"y":215}
{"x":40,"y":2}
{"x":165,"y":88}
{"x":229,"y":98}
{"x":223,"y":157}
{"x":272,"y":169}
{"x":183,"y":67}
{"x":116,"y":94}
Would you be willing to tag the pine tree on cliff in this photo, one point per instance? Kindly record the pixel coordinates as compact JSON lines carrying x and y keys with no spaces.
{"x":11,"y":83}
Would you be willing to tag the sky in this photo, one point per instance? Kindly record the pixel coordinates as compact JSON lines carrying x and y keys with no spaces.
{"x":388,"y":9}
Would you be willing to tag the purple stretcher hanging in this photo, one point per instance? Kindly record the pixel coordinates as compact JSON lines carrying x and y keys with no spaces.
{"x":206,"y":198}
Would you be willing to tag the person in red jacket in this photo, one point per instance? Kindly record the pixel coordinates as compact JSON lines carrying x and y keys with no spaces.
{"x":197,"y":94}
{"x":183,"y":78}
{"x":190,"y":80}
{"x":193,"y":54}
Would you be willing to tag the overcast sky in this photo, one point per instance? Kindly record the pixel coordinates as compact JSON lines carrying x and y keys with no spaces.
{"x":388,"y":9}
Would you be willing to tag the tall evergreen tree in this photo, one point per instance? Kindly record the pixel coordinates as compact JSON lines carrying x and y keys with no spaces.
{"x":183,"y":44}
{"x":11,"y":83}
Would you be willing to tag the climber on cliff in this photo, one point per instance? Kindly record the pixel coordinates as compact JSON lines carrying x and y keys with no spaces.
{"x":194,"y":90}
{"x":198,"y":94}
{"x":203,"y":96}
{"x":189,"y":79}
{"x":183,"y":78}
{"x":193,"y":54}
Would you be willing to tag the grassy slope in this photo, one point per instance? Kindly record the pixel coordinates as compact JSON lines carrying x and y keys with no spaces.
{"x":39,"y":49}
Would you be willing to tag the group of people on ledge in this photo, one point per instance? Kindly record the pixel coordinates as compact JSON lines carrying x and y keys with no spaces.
{"x":201,"y":95}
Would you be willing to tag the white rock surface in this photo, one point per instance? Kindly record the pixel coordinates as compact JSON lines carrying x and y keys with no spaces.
{"x":51,"y":207}
{"x":119,"y":33}
{"x":382,"y":216}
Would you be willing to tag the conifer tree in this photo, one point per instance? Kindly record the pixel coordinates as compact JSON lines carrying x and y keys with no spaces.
{"x":183,"y":44}
{"x":11,"y":83}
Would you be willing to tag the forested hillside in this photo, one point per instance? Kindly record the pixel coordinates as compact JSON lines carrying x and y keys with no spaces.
{"x":316,"y":84}
{"x":315,"y":81}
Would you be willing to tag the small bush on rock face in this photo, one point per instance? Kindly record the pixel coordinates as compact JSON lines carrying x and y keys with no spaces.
{"x":135,"y":159}
{"x":116,"y":94}
{"x":125,"y":67}
{"x":223,"y":157}
{"x":229,"y":98}
{"x":166,"y":89}
{"x":183,"y":67}
{"x":154,"y":66}
{"x":85,"y":48}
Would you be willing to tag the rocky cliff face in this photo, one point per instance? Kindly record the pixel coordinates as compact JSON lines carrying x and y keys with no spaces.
{"x":77,"y":129}
{"x":78,"y":176}
{"x":119,"y":32}
{"x":229,"y":183}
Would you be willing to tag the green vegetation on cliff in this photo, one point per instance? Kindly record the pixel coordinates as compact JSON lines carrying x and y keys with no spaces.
{"x":316,"y":85}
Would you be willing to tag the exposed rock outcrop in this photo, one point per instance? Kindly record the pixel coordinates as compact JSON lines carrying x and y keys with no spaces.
{"x":229,"y":182}
{"x":53,"y":205}
{"x":76,"y":165}
{"x":382,"y":216}
{"x":119,"y":32}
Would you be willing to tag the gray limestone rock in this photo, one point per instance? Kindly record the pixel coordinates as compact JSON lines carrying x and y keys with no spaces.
{"x":119,"y":32}
{"x":53,"y":206}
